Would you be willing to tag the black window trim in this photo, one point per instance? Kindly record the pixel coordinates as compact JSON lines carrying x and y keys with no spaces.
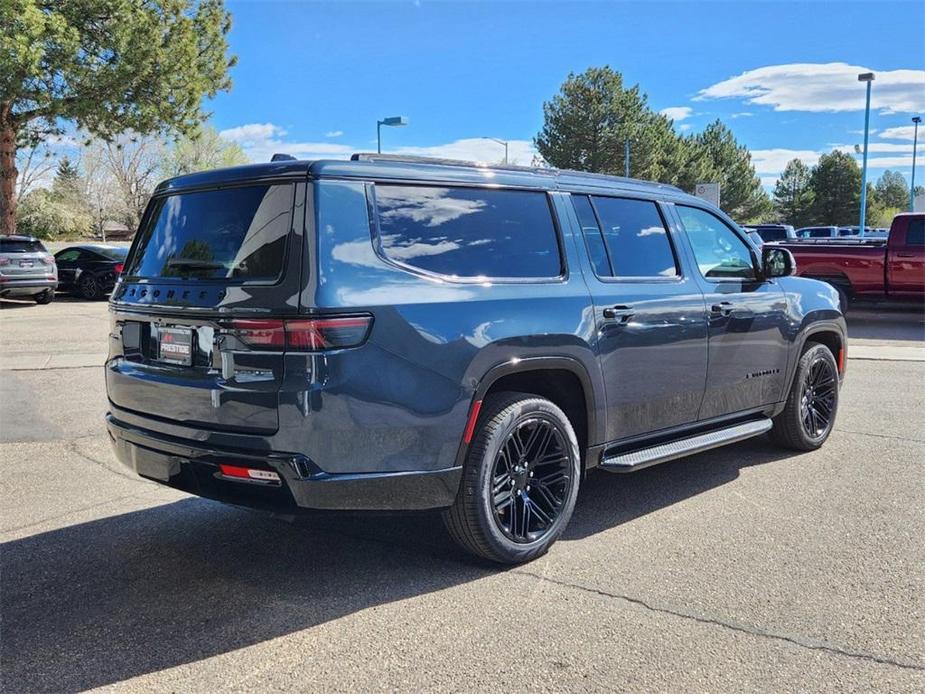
{"x":748,"y":247}
{"x":376,"y":234}
{"x":631,"y":279}
{"x":149,"y":210}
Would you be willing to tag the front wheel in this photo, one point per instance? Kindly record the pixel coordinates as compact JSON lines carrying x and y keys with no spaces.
{"x":520,"y":480}
{"x":809,"y":415}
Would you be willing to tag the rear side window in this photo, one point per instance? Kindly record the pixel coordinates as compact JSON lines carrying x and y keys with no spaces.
{"x":915,"y":232}
{"x":635,"y":237}
{"x":231,"y":234}
{"x":468,"y":232}
{"x":8,"y":245}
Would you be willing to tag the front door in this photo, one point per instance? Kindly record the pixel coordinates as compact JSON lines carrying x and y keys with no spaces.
{"x":650,"y":317}
{"x":906,"y":258}
{"x":748,"y":321}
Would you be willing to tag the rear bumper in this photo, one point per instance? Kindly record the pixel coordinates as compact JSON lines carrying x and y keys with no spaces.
{"x":195,"y":469}
{"x":26,"y":286}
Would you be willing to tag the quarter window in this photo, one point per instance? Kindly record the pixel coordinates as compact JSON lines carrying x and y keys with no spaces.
{"x":636,"y":238}
{"x":468,"y":232}
{"x":719,"y":251}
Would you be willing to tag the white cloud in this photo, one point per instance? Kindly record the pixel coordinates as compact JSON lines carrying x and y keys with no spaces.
{"x":684,"y":127}
{"x":252,"y":132}
{"x":823,"y":87}
{"x":475,"y":149}
{"x":903,"y":132}
{"x":677,"y":113}
{"x":881,"y":147}
{"x":742,"y":114}
{"x":773,"y":161}
{"x":334,"y":133}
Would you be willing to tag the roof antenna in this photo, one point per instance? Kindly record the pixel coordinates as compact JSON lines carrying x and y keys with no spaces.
{"x":279,"y":156}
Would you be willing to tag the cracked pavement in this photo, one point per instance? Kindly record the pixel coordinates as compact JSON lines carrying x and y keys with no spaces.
{"x":740,"y":569}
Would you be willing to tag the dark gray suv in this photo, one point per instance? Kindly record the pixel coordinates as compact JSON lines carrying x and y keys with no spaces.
{"x":398,"y":334}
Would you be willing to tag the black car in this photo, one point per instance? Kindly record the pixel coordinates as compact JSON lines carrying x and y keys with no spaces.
{"x":393,"y":334}
{"x":90,"y":270}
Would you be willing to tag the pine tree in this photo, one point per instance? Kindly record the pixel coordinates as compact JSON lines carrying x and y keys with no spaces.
{"x":836,"y":185}
{"x":793,"y":197}
{"x":892,"y":190}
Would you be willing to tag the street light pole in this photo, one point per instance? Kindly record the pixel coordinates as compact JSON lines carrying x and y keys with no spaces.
{"x":865,"y":77}
{"x":392,"y":121}
{"x":915,"y":143}
{"x":500,"y":142}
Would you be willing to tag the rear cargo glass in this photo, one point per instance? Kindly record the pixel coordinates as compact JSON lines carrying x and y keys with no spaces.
{"x":20,"y":246}
{"x":229,"y":234}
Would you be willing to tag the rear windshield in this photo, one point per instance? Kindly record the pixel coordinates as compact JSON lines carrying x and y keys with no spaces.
{"x":231,"y":234}
{"x":20,"y":246}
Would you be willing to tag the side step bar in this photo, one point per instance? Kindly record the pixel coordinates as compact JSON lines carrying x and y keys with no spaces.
{"x":639,"y":459}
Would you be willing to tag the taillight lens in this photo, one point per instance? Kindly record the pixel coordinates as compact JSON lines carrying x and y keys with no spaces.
{"x":4,"y":261}
{"x":303,"y":335}
{"x":47,"y":260}
{"x":118,"y":268}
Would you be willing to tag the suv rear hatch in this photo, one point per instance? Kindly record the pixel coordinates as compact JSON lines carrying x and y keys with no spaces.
{"x":22,"y":258}
{"x":192,"y":340}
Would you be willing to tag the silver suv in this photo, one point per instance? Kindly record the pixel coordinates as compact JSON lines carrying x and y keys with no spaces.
{"x":27,"y":269}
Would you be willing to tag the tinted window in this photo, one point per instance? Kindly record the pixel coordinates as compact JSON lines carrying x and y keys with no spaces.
{"x":819,"y":233}
{"x":468,"y":232}
{"x":111,"y":253}
{"x":238,"y":233}
{"x":592,"y":233}
{"x":636,"y":238}
{"x":719,"y":251}
{"x":769,"y":234}
{"x":915,"y":233}
{"x":67,"y":256}
{"x":8,"y":245}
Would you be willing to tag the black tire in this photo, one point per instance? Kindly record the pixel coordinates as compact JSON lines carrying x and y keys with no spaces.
{"x":45,"y":297}
{"x":89,"y":287}
{"x":502,"y":511}
{"x":812,"y":403}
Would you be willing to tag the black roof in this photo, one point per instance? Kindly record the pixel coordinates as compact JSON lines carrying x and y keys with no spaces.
{"x":384,"y":167}
{"x":17,"y":237}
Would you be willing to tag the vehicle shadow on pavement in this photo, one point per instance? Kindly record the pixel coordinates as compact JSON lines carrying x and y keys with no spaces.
{"x":104,"y":601}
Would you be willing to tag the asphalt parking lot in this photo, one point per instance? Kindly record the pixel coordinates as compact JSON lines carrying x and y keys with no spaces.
{"x":742,"y":569}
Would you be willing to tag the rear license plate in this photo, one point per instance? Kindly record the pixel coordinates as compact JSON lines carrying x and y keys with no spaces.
{"x":26,"y":263}
{"x":175,"y":346}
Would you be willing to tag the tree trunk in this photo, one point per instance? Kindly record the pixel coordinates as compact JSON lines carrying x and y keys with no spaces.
{"x":8,"y":172}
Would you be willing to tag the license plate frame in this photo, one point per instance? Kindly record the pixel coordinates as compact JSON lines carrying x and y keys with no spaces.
{"x":178,"y":342}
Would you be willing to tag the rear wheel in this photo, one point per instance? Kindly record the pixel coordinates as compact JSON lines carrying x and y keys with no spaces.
{"x":809,"y":415}
{"x":520,"y":480}
{"x":45,"y":297}
{"x":89,"y":288}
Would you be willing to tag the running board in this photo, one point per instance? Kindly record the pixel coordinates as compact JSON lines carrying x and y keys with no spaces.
{"x":639,"y":459}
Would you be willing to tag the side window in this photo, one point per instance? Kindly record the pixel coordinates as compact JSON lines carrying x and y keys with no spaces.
{"x":636,"y":238}
{"x":67,"y":256}
{"x":915,"y":232}
{"x":469,"y":232}
{"x":592,"y":233}
{"x":719,"y":251}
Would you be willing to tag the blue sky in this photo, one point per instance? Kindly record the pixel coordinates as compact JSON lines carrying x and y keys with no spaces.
{"x":313,"y":77}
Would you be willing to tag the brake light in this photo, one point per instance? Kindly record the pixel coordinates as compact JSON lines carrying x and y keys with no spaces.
{"x":46,"y":260}
{"x":4,"y":261}
{"x":249,"y":473}
{"x":118,"y":268}
{"x":303,"y":335}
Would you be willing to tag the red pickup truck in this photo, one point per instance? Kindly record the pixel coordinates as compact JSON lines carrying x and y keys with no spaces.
{"x":894,"y":268}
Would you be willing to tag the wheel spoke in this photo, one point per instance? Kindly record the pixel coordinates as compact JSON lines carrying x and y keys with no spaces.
{"x":538,"y":512}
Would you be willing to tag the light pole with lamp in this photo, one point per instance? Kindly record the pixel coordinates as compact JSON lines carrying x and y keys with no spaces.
{"x":392,"y":121}
{"x":865,"y":77}
{"x":500,"y":142}
{"x":915,"y":143}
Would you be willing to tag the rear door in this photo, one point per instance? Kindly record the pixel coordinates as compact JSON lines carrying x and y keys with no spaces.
{"x":652,"y":333}
{"x":748,"y":321}
{"x":906,"y":261}
{"x":208,"y":270}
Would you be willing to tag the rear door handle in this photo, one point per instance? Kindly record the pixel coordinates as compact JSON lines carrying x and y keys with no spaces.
{"x":620,"y":312}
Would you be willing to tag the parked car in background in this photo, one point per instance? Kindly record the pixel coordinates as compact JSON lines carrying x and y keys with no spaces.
{"x":871,"y":268}
{"x":395,"y":333}
{"x":90,"y":270}
{"x":772,"y":232}
{"x":823,"y":232}
{"x":27,"y":269}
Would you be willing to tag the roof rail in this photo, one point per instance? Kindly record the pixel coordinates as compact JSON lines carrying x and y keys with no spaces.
{"x":411,"y":159}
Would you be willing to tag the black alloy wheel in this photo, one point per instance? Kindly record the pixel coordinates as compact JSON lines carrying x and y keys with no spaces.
{"x":519,"y":481}
{"x":88,"y":287}
{"x":809,"y":412}
{"x":531,"y":480}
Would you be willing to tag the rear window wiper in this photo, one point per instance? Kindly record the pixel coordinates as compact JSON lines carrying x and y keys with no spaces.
{"x":194,"y":264}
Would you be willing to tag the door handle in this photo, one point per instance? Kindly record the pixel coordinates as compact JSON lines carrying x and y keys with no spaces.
{"x":620,"y":312}
{"x":723,"y":308}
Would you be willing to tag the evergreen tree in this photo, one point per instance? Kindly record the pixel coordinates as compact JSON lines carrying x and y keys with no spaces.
{"x":793,"y":197}
{"x":836,"y":185}
{"x":892,"y":190}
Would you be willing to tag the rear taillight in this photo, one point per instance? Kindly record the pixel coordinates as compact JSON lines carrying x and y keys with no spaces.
{"x":118,"y":268}
{"x":46,"y":260}
{"x":4,"y":261}
{"x":303,"y":335}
